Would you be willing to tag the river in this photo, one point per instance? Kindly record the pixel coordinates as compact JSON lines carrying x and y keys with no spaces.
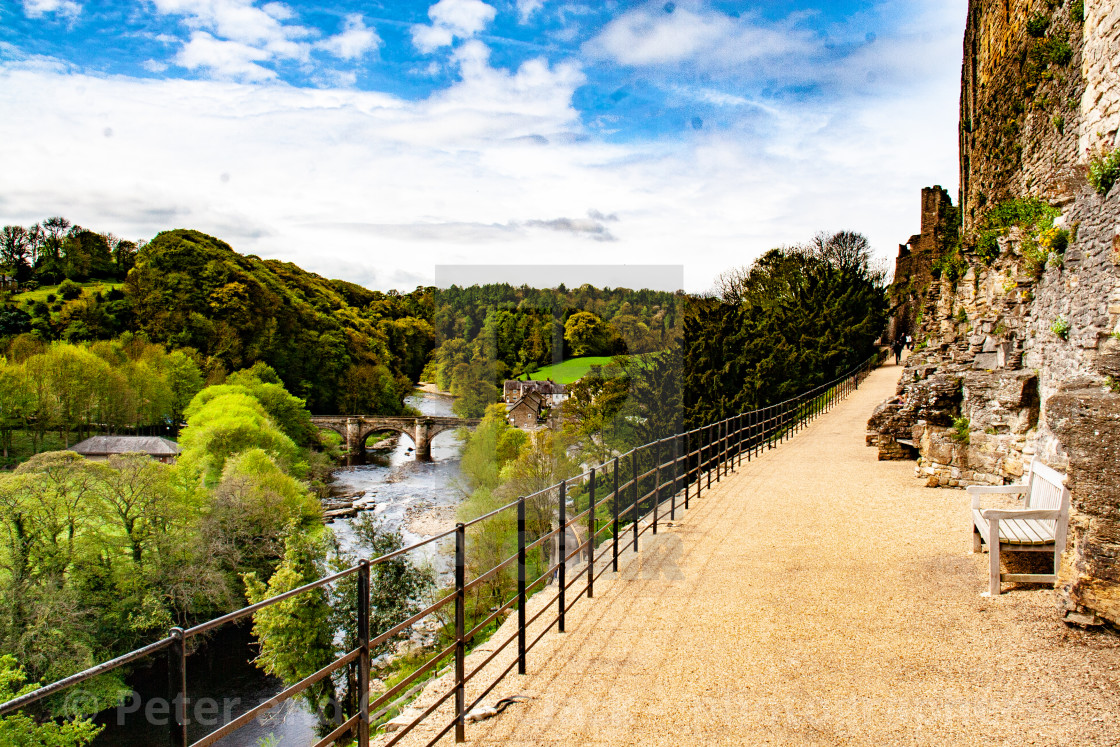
{"x":416,"y":498}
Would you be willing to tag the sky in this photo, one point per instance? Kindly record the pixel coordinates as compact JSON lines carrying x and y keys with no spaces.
{"x":377,"y":141}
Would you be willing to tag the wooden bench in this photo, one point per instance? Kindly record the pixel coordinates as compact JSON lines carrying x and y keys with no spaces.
{"x":1040,"y":526}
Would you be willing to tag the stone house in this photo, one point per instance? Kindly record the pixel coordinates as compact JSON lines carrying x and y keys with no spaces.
{"x":100,"y":448}
{"x":552,"y":393}
{"x":525,"y":413}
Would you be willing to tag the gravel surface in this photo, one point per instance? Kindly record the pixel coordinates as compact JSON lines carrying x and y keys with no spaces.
{"x":814,"y":597}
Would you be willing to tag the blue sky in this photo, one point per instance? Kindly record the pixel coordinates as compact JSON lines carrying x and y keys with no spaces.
{"x":378,"y":140}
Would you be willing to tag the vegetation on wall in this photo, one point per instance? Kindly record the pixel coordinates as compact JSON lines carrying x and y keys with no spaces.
{"x":1104,"y":170}
{"x":1038,"y":237}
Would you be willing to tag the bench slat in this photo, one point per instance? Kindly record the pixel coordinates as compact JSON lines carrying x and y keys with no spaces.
{"x":1016,"y":531}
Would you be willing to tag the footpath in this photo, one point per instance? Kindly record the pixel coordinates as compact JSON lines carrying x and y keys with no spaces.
{"x":816,"y":596}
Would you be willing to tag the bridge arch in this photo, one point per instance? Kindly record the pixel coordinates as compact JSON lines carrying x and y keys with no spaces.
{"x":357,"y":428}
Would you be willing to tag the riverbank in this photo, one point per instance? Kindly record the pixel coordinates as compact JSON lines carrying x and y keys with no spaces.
{"x":429,"y":387}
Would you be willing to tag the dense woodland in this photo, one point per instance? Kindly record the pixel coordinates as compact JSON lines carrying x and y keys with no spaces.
{"x":339,"y":346}
{"x":182,"y":336}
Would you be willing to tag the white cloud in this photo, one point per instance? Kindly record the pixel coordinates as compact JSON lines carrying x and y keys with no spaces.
{"x":526,"y":9}
{"x":231,"y":37}
{"x":650,"y":35}
{"x":39,"y":8}
{"x":452,"y":19}
{"x":356,"y":40}
{"x":228,"y":59}
{"x":497,"y":161}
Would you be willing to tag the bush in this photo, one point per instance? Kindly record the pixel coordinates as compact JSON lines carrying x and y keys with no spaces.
{"x":1077,"y":11}
{"x":1037,"y":25}
{"x":960,"y":432}
{"x":1032,"y":216}
{"x":1061,"y":327}
{"x":951,"y":266}
{"x":69,"y":290}
{"x":1104,"y":170}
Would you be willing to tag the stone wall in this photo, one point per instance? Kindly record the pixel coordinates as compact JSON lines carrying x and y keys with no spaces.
{"x":1016,"y":355}
{"x":913,"y":269}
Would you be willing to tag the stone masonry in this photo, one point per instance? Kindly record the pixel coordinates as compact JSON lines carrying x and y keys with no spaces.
{"x":1015,"y":362}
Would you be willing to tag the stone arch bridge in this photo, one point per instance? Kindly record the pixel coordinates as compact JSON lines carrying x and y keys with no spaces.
{"x":357,"y":428}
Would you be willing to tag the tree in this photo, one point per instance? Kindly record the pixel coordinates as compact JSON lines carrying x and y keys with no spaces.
{"x":15,"y":402}
{"x":295,"y":635}
{"x":20,"y":730}
{"x":223,"y":421}
{"x":798,"y":317}
{"x":593,"y":412}
{"x":585,"y":333}
{"x":15,"y":251}
{"x":250,"y":508}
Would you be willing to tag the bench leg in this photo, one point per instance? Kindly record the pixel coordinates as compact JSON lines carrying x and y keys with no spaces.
{"x":993,"y":559}
{"x":977,"y":545}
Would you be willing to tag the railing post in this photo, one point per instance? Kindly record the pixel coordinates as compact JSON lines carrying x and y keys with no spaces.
{"x":752,"y":441}
{"x":521,"y":561}
{"x":591,"y":539}
{"x":687,"y":465}
{"x":656,"y":482}
{"x":673,"y":490}
{"x":699,"y":460}
{"x":563,"y":570}
{"x":739,"y":439}
{"x":177,"y":687}
{"x":460,"y":630}
{"x":614,"y":517}
{"x":708,"y":467}
{"x":772,"y":422}
{"x":721,"y":448}
{"x":728,"y":460}
{"x":634,"y":469}
{"x":363,"y":657}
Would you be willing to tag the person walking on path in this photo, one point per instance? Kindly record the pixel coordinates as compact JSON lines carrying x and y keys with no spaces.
{"x":896,"y":348}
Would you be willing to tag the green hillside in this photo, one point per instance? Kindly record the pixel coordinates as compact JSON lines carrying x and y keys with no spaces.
{"x":571,"y":370}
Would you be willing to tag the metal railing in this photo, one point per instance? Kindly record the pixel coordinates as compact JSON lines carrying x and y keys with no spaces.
{"x":624,"y":497}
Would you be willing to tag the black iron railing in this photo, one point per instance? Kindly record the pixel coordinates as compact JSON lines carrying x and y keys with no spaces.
{"x":640,"y":483}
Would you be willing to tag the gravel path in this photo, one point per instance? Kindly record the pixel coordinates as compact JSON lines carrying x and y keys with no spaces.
{"x":815,"y":597}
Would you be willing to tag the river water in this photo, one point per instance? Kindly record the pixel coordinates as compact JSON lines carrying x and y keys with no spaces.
{"x":416,"y":498}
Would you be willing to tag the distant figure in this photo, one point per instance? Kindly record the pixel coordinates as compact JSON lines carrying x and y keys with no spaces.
{"x":909,"y":342}
{"x":896,"y":348}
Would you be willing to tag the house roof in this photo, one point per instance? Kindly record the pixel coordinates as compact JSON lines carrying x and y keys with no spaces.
{"x":105,"y":445}
{"x":532,"y":405}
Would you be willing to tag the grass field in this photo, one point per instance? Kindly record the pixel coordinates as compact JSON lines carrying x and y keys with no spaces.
{"x":40,"y":294}
{"x":571,"y":370}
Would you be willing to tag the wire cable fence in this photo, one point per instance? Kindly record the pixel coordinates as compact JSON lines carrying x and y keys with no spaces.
{"x":567,"y":535}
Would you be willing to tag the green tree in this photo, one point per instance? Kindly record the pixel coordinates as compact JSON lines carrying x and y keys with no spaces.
{"x":224,"y":421}
{"x":295,"y":635}
{"x":585,"y":333}
{"x":20,"y":730}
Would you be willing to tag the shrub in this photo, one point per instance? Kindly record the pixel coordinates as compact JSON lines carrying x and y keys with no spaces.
{"x":1104,"y":170}
{"x":69,"y":290}
{"x":1037,"y":25}
{"x":1061,"y":327}
{"x":960,"y":432}
{"x":1032,"y":216}
{"x":951,"y":266}
{"x":1077,"y":11}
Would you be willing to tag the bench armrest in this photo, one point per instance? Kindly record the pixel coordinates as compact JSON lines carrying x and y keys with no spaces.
{"x":1021,"y":513}
{"x":978,"y":490}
